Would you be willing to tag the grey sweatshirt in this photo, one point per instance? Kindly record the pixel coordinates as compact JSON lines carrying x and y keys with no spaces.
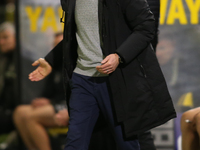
{"x":89,"y":51}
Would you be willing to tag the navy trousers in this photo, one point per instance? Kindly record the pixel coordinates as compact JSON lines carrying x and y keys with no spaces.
{"x":90,"y":96}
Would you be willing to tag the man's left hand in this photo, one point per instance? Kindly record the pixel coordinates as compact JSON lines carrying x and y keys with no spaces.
{"x":109,"y":64}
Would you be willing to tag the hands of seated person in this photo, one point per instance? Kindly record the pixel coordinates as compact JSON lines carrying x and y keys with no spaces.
{"x":109,"y":64}
{"x":38,"y":102}
{"x":43,"y":70}
{"x":62,"y":117}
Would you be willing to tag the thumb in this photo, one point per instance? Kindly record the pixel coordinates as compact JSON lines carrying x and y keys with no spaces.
{"x":39,"y":61}
{"x":36,"y":63}
{"x":42,"y":61}
{"x":105,"y":60}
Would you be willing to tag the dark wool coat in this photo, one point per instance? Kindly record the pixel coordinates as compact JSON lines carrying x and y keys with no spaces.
{"x":137,"y":87}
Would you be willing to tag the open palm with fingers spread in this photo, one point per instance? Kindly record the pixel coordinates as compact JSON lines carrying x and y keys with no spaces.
{"x":43,"y":70}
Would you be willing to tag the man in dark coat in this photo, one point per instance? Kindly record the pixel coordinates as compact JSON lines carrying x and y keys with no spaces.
{"x":109,"y":66}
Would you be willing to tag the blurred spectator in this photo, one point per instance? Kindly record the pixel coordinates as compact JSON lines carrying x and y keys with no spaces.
{"x":48,"y":111}
{"x":190,"y":128}
{"x":168,"y":59}
{"x":7,"y":76}
{"x":180,"y":72}
{"x":178,"y":58}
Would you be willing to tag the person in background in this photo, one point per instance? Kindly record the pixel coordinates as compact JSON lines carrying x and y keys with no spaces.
{"x":190,"y":129}
{"x":46,"y":111}
{"x":8,"y":98}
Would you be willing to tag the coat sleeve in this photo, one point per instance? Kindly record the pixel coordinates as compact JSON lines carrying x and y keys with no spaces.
{"x":142,"y":24}
{"x":54,"y":57}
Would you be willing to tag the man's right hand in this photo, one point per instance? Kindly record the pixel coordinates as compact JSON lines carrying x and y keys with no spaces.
{"x":41,"y":71}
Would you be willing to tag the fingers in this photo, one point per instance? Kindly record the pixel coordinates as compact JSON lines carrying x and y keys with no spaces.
{"x":107,"y":66}
{"x":36,"y":75}
{"x":36,"y":78}
{"x":105,"y":69}
{"x":108,"y":71}
{"x":33,"y":75}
